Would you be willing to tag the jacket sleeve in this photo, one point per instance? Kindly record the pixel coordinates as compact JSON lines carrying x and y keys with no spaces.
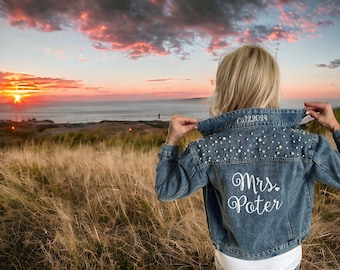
{"x":336,"y":136}
{"x":177,"y":175}
{"x":326,"y":168}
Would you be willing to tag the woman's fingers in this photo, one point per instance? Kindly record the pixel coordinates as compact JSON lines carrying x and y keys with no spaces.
{"x":179,"y":126}
{"x":323,"y":113}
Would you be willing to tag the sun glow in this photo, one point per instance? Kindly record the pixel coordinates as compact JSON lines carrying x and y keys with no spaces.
{"x":16,"y":95}
{"x":17,"y":99}
{"x":18,"y":89}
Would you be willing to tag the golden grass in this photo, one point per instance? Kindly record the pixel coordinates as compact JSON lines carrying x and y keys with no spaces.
{"x":93,"y":206}
{"x":322,"y":249}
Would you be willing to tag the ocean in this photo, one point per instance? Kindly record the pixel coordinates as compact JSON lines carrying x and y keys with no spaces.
{"x":85,"y":112}
{"x":97,"y":111}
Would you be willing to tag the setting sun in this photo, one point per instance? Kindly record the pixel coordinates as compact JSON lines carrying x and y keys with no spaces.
{"x":16,"y":95}
{"x":17,"y":99}
{"x":19,"y":86}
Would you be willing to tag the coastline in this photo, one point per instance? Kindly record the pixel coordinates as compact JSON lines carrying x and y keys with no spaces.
{"x":12,"y":132}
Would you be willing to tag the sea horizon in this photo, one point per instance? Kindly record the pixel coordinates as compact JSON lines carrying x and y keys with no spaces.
{"x":97,"y":111}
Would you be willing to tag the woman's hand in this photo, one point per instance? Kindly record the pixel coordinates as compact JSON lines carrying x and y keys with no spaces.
{"x":323,"y":113}
{"x":179,"y":126}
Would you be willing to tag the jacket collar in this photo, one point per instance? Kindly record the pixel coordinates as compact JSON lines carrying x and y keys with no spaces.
{"x":252,"y":117}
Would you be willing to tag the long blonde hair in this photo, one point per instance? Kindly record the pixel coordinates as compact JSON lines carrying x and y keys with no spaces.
{"x":249,"y":77}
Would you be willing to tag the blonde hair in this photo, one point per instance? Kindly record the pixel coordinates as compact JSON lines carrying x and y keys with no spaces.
{"x":249,"y":77}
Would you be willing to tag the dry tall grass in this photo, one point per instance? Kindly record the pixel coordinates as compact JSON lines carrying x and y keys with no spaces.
{"x":94,"y":207}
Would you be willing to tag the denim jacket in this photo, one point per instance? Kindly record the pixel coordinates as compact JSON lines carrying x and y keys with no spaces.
{"x":257,"y":168}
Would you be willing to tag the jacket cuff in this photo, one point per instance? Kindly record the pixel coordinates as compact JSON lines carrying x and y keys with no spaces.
{"x":169,"y":151}
{"x":336,"y":136}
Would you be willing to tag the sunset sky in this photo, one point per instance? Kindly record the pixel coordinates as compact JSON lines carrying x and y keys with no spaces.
{"x":151,"y":49}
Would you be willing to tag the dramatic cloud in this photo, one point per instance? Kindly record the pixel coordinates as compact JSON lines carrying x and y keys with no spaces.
{"x":162,"y":27}
{"x":331,"y":65}
{"x":16,"y":85}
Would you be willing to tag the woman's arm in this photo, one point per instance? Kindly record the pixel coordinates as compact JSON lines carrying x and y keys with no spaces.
{"x":323,"y":113}
{"x":327,"y":162}
{"x":176,"y":174}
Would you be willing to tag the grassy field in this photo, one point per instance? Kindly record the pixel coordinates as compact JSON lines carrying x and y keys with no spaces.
{"x":93,"y":206}
{"x":78,"y":202}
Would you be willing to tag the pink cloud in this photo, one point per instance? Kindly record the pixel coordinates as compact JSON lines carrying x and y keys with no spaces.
{"x":328,"y":7}
{"x":161,"y":27}
{"x":161,"y":80}
{"x":299,"y":19}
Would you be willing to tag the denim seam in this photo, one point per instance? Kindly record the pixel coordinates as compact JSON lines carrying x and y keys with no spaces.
{"x":295,"y":242}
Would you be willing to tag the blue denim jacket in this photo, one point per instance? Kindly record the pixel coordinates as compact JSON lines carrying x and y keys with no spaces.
{"x":257,"y":169}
